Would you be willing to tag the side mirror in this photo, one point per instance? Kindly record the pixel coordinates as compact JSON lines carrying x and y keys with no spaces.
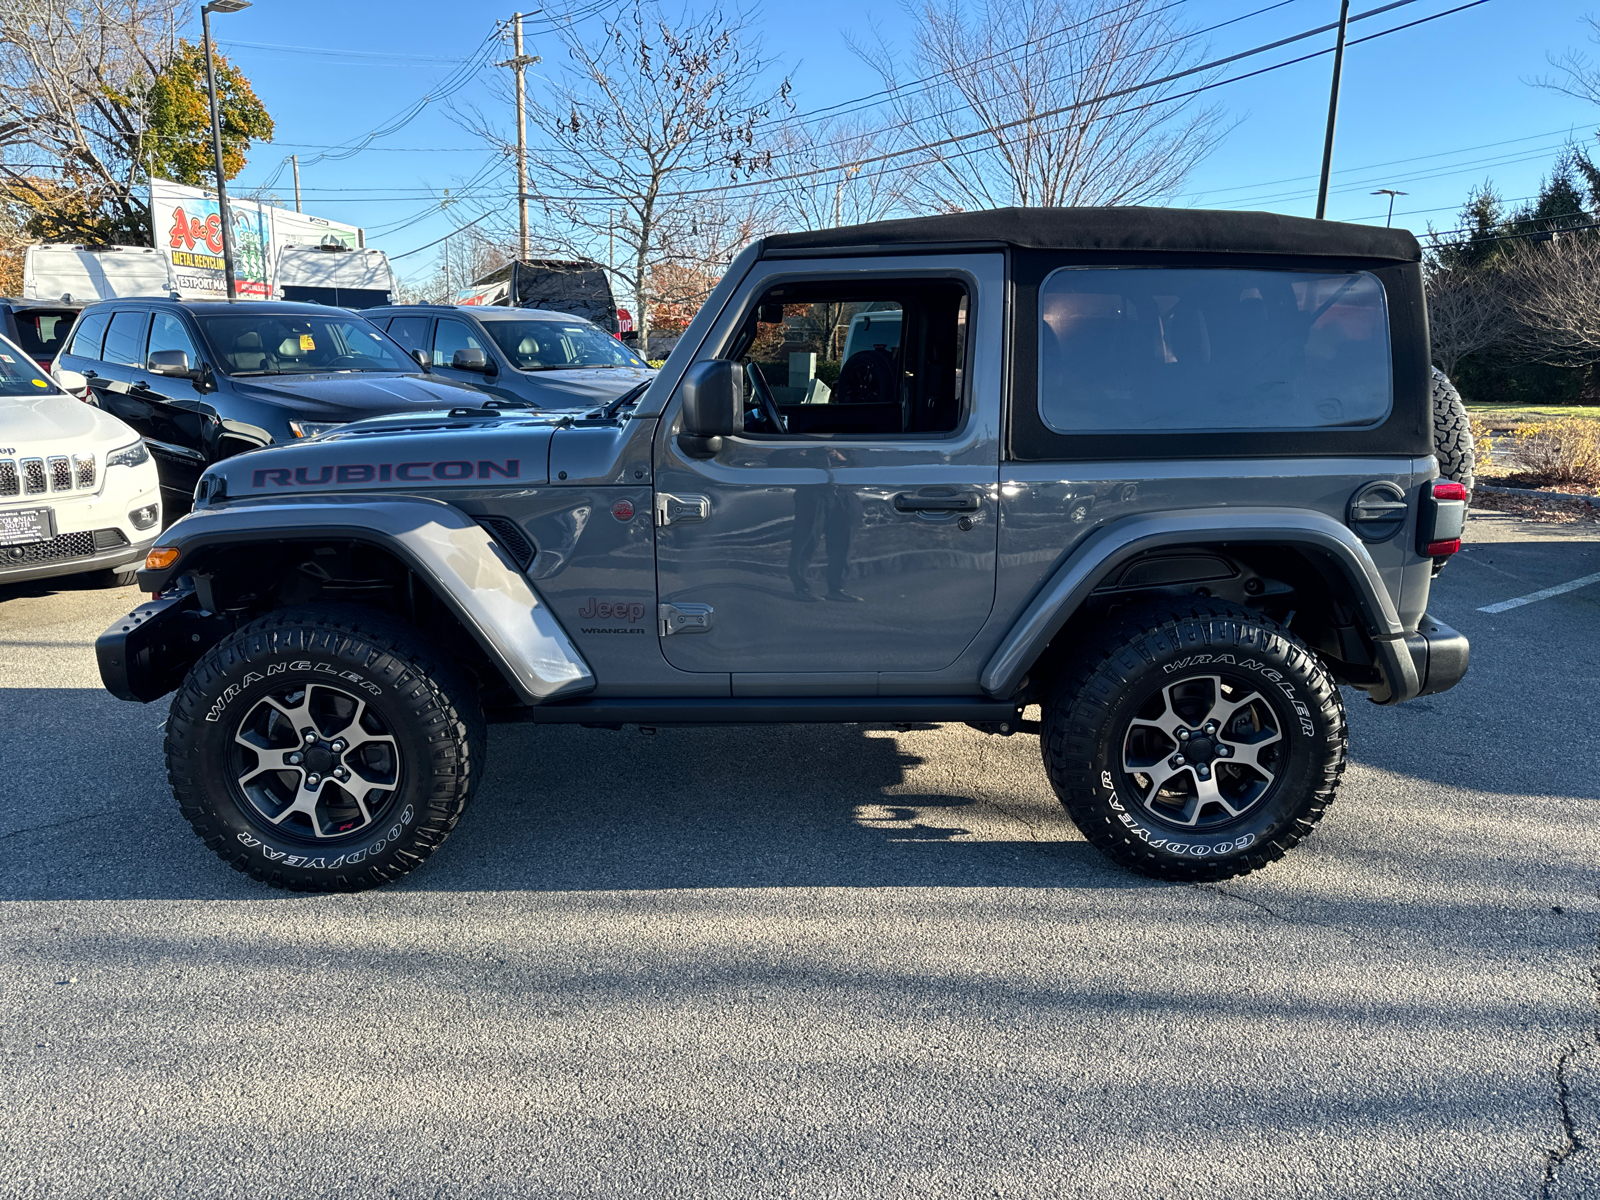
{"x":171,"y":362}
{"x":472,"y":360}
{"x":422,"y":358}
{"x":713,"y":399}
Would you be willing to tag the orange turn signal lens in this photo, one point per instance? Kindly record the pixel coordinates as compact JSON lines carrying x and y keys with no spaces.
{"x":160,"y":558}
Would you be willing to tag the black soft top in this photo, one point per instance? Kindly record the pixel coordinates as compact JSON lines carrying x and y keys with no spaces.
{"x":1181,"y":229}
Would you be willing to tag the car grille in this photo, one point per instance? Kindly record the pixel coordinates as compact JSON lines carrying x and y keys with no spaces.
{"x":60,"y":549}
{"x":40,"y":476}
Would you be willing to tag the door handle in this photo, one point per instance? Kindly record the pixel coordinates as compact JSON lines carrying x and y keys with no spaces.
{"x":920,"y":502}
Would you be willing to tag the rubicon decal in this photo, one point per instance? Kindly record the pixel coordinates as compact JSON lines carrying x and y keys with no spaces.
{"x":456,"y":470}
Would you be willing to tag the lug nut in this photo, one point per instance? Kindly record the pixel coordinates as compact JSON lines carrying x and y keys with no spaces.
{"x":1183,"y":735}
{"x":310,"y":736}
{"x":1224,"y":751}
{"x":1178,"y":760}
{"x":338,"y":746}
{"x":294,"y":759}
{"x":313,"y":780}
{"x":341,"y":773}
{"x":1205,"y":773}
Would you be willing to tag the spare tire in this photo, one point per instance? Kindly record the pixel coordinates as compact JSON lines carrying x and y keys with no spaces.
{"x":1452,"y":433}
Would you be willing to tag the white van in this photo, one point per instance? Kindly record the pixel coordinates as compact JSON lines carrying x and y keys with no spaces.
{"x":84,"y":274}
{"x":78,"y":489}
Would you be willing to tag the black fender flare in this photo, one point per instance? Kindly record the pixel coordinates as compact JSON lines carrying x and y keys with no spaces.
{"x":451,"y":553}
{"x":1109,"y":547}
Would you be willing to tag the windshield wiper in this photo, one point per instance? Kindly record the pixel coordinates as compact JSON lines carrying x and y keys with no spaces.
{"x":631,"y":396}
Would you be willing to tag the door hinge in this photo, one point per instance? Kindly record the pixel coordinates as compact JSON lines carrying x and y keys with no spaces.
{"x":672,"y":509}
{"x":684,"y":618}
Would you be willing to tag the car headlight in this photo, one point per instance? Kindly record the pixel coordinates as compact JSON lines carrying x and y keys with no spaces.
{"x":310,"y":429}
{"x":129,"y":456}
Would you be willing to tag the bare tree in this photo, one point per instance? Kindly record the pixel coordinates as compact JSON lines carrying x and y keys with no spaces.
{"x":1554,"y":290}
{"x":653,"y":105}
{"x":999,"y":65}
{"x":828,"y":194}
{"x":72,"y":78}
{"x":1468,"y":311}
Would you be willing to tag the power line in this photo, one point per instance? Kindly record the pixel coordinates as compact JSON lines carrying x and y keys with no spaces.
{"x":436,"y":241}
{"x":1103,"y":97}
{"x":333,"y":52}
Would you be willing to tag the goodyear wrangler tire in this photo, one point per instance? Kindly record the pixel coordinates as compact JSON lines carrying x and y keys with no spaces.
{"x":1195,"y":741}
{"x":1452,"y":433}
{"x":323,"y":749}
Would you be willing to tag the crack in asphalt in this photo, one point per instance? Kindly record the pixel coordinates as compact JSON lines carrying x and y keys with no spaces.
{"x":1572,"y":1140}
{"x":1219,"y":890}
{"x":58,"y":824}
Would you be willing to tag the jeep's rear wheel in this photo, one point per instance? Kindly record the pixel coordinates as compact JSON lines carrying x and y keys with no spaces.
{"x":1195,"y":741}
{"x":324,"y":749}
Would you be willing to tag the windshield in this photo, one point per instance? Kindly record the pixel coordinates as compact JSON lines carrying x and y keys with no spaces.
{"x":296,"y":344}
{"x":559,"y":345}
{"x":19,"y":376}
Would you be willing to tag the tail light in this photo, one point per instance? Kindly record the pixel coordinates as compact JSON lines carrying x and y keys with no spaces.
{"x":1442,"y":518}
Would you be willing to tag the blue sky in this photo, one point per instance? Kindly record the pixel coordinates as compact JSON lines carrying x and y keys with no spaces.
{"x":1431,"y":110}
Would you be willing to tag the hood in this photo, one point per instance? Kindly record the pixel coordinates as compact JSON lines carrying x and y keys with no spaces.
{"x":424,"y":452}
{"x":574,"y":389}
{"x":356,"y":394}
{"x":56,"y":423}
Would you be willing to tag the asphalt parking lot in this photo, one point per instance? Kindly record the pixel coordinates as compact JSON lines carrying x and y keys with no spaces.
{"x":821,"y":962}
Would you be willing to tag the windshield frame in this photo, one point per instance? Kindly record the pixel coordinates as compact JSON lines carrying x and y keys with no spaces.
{"x":221,"y":363}
{"x":630,"y":359}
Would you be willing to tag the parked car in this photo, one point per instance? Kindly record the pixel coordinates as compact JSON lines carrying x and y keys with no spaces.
{"x":203,"y":379}
{"x":38,"y":327}
{"x":1166,"y":475}
{"x":549,"y":359}
{"x":78,"y":490}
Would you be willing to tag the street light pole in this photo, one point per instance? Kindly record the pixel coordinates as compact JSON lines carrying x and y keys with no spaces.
{"x":1391,"y":193}
{"x":1333,"y":110}
{"x":224,"y":214}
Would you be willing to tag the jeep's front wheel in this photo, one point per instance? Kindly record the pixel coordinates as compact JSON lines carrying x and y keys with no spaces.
{"x":1196,"y":742}
{"x":323,"y":749}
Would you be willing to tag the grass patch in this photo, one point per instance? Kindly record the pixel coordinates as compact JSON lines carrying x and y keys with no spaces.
{"x":1510,"y":416}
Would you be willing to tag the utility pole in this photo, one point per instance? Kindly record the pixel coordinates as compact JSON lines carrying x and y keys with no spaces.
{"x":295,"y":159}
{"x":517,"y":62}
{"x":1333,"y":110}
{"x":224,"y":214}
{"x":1391,"y":193}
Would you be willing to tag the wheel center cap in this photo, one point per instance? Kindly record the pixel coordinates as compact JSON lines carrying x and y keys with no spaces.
{"x":1200,"y":750}
{"x":319,"y":760}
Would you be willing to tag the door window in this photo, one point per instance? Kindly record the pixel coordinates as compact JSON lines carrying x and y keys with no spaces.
{"x":125,"y":338}
{"x":855,"y":359}
{"x":167,"y":332}
{"x":410,"y":332}
{"x":450,"y":336}
{"x":1174,"y":350}
{"x":91,"y":333}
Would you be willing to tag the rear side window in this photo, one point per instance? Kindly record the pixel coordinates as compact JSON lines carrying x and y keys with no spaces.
{"x":1177,"y":350}
{"x":125,"y":339}
{"x":410,"y":332}
{"x":91,"y":332}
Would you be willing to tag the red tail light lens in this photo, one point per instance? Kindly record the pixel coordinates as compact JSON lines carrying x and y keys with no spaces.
{"x":1443,"y":549}
{"x":1449,"y":491}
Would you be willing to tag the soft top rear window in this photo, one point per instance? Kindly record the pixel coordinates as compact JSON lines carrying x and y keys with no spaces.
{"x":1181,"y":350}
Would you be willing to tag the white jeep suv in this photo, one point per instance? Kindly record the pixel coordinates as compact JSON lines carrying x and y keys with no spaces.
{"x":78,"y":489}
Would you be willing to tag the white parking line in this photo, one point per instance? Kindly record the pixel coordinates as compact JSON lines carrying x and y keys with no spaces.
{"x":1543,"y":594}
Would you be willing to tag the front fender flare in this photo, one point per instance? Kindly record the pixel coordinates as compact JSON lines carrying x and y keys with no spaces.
{"x":1109,"y":547}
{"x":450,"y":552}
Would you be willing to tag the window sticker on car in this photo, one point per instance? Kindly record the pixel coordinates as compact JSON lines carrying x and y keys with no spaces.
{"x":7,"y":358}
{"x":307,"y":342}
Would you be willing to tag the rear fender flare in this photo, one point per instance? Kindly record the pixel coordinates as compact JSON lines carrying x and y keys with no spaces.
{"x":1109,"y":547}
{"x":450,"y":553}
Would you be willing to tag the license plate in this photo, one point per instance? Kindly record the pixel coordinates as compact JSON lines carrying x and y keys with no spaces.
{"x":20,"y":526}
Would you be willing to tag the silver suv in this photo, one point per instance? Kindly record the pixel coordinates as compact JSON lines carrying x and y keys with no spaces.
{"x":1166,"y":475}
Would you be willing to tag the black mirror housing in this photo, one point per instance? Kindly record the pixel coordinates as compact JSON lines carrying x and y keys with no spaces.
{"x":472,"y":360}
{"x":422,"y":358}
{"x":171,"y":362}
{"x":713,"y":402}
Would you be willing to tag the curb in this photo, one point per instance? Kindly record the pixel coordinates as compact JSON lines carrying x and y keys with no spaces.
{"x":1591,"y":501}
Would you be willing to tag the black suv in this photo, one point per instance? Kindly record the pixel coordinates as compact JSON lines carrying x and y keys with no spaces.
{"x":203,"y":380}
{"x":38,"y":326}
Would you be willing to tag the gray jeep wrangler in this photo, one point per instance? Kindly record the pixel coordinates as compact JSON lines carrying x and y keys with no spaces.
{"x":1167,"y":475}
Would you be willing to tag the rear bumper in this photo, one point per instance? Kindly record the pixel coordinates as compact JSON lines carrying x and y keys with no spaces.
{"x":1440,"y":655}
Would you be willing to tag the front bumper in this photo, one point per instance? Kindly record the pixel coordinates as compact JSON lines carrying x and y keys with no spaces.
{"x":146,"y":654}
{"x":74,"y":564}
